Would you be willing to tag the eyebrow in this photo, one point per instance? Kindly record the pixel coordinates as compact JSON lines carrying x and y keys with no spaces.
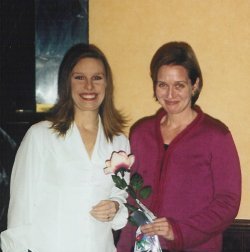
{"x":98,"y":73}
{"x":180,"y":81}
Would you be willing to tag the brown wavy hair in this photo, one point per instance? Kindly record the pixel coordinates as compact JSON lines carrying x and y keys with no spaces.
{"x":177,"y":53}
{"x":62,"y":113}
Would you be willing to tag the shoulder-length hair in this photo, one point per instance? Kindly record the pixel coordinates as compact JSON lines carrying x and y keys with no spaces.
{"x":62,"y":113}
{"x":177,"y":53}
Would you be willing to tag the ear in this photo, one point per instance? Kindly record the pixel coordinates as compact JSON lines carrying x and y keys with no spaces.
{"x":196,"y":86}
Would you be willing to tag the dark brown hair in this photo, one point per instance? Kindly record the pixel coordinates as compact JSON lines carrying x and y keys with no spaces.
{"x":62,"y":113}
{"x":177,"y":53}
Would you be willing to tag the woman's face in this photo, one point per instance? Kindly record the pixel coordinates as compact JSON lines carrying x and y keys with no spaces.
{"x":173,"y":89}
{"x":88,"y":83}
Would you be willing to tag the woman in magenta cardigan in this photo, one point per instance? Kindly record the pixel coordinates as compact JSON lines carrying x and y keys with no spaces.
{"x":189,"y":159}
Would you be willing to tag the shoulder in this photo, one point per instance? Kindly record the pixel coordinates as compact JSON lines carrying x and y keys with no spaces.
{"x":39,"y":129}
{"x":120,"y":139}
{"x":41,"y":126}
{"x":121,"y":142}
{"x":213,"y":124}
{"x":148,"y":125}
{"x":144,"y":124}
{"x":36,"y":137}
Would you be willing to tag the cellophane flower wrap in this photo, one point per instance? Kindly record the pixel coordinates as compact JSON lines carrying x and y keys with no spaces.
{"x":119,"y":163}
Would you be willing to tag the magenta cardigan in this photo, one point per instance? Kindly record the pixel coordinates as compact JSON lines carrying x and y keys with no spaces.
{"x":196,"y":182}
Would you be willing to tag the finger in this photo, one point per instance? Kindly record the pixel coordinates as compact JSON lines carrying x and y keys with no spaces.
{"x":102,"y":215}
{"x":101,"y":205}
{"x":105,"y":210}
{"x":153,"y":229}
{"x":147,"y":228}
{"x":105,"y":205}
{"x":160,"y":219}
{"x":109,"y":207}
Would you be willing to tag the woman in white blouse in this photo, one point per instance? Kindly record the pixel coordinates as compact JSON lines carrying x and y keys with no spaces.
{"x":61,"y":200}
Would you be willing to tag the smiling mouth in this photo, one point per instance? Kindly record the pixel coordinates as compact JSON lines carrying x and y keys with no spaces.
{"x":171,"y":102}
{"x":88,"y":97}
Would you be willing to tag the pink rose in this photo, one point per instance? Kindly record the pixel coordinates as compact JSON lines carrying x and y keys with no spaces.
{"x":119,"y":160}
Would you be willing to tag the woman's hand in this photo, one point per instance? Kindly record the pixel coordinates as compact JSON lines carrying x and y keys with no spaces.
{"x":161,"y":227}
{"x":105,"y":210}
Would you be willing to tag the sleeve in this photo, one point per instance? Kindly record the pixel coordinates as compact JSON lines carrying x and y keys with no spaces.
{"x":25,"y":173}
{"x":118,"y":195}
{"x":127,"y":237}
{"x":213,"y":220}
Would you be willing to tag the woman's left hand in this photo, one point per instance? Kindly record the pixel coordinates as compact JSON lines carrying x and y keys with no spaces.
{"x":161,"y":227}
{"x":105,"y":210}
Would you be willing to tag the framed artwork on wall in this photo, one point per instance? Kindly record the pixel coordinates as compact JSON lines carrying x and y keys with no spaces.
{"x":34,"y":35}
{"x":59,"y":25}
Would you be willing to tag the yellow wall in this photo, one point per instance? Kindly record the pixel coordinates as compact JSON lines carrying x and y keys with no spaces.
{"x":130,"y":31}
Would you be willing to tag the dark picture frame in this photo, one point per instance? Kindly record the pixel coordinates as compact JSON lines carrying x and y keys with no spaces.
{"x":59,"y":25}
{"x":28,"y":44}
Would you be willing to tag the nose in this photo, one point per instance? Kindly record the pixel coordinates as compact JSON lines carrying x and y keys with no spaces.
{"x":170,"y":92}
{"x":88,"y":84}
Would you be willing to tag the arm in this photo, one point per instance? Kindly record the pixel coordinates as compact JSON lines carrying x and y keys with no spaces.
{"x":214,"y":219}
{"x":112,"y":208}
{"x":25,"y":173}
{"x":117,"y":195}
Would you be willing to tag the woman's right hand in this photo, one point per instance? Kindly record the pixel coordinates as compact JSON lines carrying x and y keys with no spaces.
{"x":105,"y":210}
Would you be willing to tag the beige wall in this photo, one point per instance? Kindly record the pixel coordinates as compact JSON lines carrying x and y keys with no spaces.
{"x":129,"y":32}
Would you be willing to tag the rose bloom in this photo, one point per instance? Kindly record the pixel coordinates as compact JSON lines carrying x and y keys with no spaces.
{"x":119,"y":160}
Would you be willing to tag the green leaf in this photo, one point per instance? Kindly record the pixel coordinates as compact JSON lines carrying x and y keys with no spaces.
{"x":136,"y":181}
{"x":131,"y":192}
{"x":130,"y":207}
{"x":145,"y":192}
{"x":119,"y":182}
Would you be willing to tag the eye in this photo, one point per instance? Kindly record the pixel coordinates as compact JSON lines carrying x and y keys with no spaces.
{"x":161,"y":84}
{"x":97,"y":77}
{"x":79,"y":77}
{"x":179,"y":85}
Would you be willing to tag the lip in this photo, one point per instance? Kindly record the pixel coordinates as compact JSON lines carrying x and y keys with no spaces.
{"x":171,"y":102}
{"x":88,"y":96}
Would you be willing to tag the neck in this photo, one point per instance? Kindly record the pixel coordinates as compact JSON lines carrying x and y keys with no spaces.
{"x":179,"y":120}
{"x":87,"y":119}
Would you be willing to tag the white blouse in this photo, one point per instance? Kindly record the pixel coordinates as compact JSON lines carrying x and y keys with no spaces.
{"x":54,"y":185}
